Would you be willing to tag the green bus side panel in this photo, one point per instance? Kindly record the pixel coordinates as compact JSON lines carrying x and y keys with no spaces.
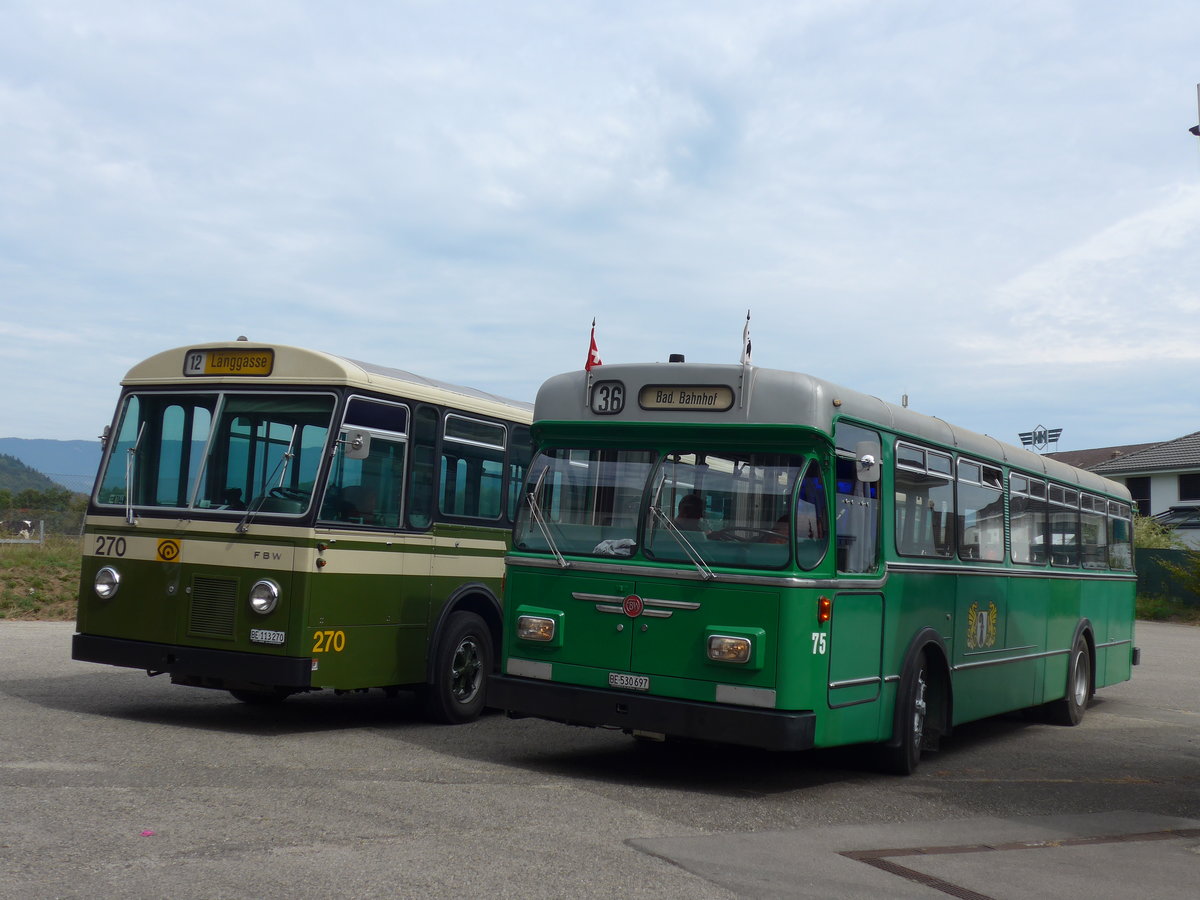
{"x":914,"y":601}
{"x":1114,"y":663}
{"x":998,"y":639}
{"x":368,"y":599}
{"x":1120,"y":658}
{"x":369,"y":656}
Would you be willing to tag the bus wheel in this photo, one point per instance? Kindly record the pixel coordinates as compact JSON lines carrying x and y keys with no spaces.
{"x":903,"y":758}
{"x":1070,"y":709}
{"x":460,"y":669}
{"x":259,"y":698}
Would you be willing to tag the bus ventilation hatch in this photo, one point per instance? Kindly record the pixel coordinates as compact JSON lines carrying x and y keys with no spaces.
{"x":214,"y":602}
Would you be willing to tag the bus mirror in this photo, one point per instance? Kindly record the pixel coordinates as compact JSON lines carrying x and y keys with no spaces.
{"x":867,"y":454}
{"x":358,"y":445}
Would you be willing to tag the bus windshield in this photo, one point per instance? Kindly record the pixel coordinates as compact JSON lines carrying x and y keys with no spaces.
{"x":584,"y":501}
{"x":721,"y":508}
{"x":735,"y":509}
{"x":233,"y":452}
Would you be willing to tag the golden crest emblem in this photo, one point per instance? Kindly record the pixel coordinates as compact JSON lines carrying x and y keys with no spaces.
{"x":981,"y":626}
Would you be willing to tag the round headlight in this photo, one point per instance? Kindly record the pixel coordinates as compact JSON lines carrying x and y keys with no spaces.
{"x":107,"y":581}
{"x":264,"y":596}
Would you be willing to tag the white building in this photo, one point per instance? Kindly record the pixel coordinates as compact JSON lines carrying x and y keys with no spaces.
{"x":1163,"y":478}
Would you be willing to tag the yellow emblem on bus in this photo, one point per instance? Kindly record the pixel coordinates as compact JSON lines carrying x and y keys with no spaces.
{"x":169,"y":550}
{"x":981,"y":626}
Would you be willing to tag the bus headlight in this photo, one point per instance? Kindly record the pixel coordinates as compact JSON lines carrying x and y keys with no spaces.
{"x":724,"y":648}
{"x":106,"y":583}
{"x":535,"y":628}
{"x":264,"y":596}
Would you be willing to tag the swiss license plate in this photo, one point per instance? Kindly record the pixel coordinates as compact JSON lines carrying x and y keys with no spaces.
{"x":629,"y":682}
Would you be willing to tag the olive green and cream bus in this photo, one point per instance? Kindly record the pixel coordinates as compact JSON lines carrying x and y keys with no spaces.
{"x":763,"y":558}
{"x":269,"y":520}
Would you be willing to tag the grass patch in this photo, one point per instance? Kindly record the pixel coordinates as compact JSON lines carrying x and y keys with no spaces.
{"x":1163,"y":609}
{"x":40,"y":581}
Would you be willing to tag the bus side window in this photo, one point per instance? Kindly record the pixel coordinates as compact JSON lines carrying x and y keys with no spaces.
{"x":812,"y":527}
{"x":856,"y":509}
{"x":472,"y":467}
{"x":520,"y":451}
{"x":421,"y":488}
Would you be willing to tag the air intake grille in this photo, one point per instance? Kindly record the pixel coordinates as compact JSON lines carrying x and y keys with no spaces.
{"x":214,"y":602}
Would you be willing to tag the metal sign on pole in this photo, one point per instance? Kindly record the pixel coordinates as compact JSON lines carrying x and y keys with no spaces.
{"x":1040,"y":438}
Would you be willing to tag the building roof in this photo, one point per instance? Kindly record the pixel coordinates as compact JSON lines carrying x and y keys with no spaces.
{"x":1087,"y":459}
{"x":1169,"y":456}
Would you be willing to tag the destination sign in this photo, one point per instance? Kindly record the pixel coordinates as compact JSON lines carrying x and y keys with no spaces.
{"x":229,"y":361}
{"x":705,"y":397}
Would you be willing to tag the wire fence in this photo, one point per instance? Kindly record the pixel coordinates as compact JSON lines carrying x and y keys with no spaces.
{"x":25,"y":521}
{"x":32,"y":526}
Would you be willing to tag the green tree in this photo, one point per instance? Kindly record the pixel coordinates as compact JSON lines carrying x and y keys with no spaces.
{"x":1151,"y":534}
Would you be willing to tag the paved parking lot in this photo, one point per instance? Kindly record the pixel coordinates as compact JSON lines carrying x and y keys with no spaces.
{"x":118,"y":785}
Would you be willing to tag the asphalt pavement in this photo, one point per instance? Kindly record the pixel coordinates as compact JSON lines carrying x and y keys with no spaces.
{"x":117,"y":785}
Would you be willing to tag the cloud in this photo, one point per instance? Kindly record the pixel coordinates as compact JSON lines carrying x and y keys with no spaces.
{"x":909,"y":196}
{"x":1128,"y":293}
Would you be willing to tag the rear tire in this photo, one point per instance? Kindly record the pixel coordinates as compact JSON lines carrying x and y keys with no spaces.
{"x":461,"y":667}
{"x":1070,"y":709}
{"x":911,"y":720}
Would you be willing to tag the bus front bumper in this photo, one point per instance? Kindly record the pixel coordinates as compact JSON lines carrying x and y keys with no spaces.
{"x":599,"y":707}
{"x":198,"y":666}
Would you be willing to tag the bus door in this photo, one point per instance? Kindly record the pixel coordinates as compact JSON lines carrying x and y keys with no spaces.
{"x":855,"y":649}
{"x":371,"y":571}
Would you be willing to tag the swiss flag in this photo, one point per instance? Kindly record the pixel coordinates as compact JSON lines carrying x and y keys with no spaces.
{"x":593,"y":358}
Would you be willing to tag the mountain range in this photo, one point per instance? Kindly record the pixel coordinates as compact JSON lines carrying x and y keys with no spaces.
{"x":71,"y":464}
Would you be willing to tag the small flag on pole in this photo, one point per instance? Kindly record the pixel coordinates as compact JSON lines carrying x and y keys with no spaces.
{"x":593,"y":358}
{"x":746,"y":341}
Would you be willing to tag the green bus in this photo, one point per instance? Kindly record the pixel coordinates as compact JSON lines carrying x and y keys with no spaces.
{"x":269,"y":520}
{"x":764,"y":558}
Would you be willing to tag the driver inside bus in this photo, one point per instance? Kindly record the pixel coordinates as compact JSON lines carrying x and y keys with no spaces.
{"x":691,"y":514}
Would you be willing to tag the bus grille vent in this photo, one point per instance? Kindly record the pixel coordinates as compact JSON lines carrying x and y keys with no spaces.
{"x":214,"y":602}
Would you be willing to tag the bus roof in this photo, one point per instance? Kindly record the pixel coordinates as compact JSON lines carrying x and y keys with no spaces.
{"x":299,"y":366}
{"x":772,"y":396}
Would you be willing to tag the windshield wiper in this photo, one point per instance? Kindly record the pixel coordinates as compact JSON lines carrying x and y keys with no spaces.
{"x":535,"y":512}
{"x":280,"y":467}
{"x":130,"y":458}
{"x":692,"y":553}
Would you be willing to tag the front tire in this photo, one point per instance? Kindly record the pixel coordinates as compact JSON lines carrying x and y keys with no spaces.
{"x":461,"y":666}
{"x":1070,"y":709}
{"x":911,"y":719}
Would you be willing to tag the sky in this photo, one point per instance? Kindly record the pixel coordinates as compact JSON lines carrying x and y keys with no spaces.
{"x":993,"y":209}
